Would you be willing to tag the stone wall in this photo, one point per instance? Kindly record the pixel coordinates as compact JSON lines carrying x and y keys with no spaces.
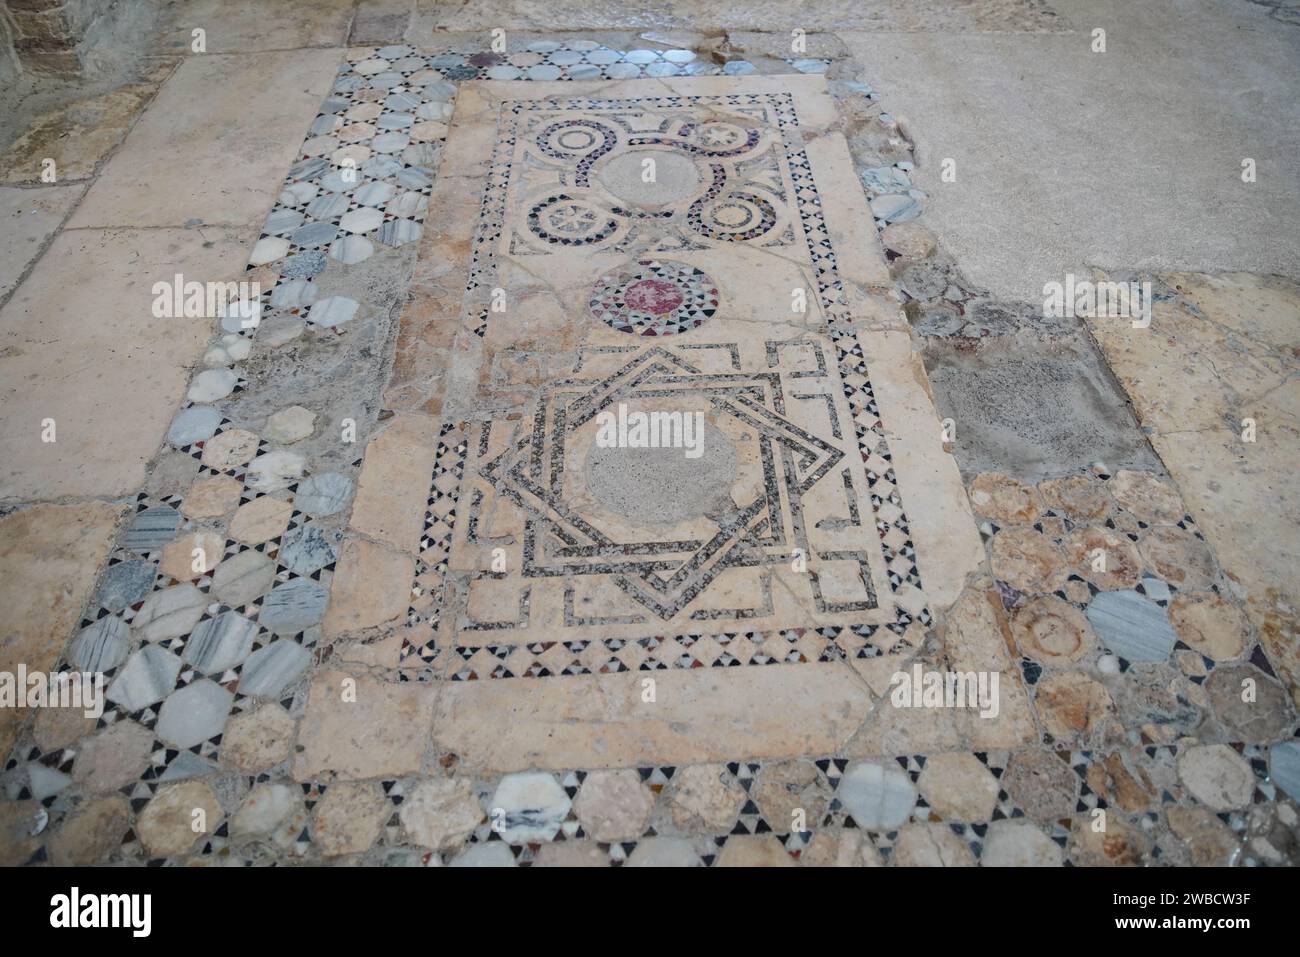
{"x":71,"y":37}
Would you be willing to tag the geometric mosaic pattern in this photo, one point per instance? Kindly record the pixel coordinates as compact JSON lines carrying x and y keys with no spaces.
{"x":562,"y":148}
{"x":658,"y":298}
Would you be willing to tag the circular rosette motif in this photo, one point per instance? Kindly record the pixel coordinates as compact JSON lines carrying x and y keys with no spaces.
{"x":572,"y":139}
{"x":719,"y":138}
{"x":658,"y":297}
{"x":565,"y":221}
{"x":738,"y":216}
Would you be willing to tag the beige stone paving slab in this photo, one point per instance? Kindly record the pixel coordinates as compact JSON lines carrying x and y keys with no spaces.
{"x":360,"y":727}
{"x":215,"y":142}
{"x":696,"y":716}
{"x":1224,"y":354}
{"x":49,"y":556}
{"x":539,"y":567}
{"x":79,"y":344}
{"x":251,"y":26}
{"x":390,"y":497}
{"x":28,"y":218}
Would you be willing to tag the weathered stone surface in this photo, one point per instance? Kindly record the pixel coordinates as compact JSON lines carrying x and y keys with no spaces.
{"x":261,"y":520}
{"x":1080,"y":497}
{"x":1117,"y":846}
{"x":1052,"y":632}
{"x":211,"y":497}
{"x":48,"y":558}
{"x":440,"y":813}
{"x":1147,"y":497}
{"x":293,"y":606}
{"x":20,"y":822}
{"x":1179,"y":557}
{"x":1019,"y":844}
{"x":705,"y":794}
{"x":389,"y":503}
{"x":1042,"y":784}
{"x":371,"y":587}
{"x":1104,"y":557}
{"x":1210,"y":841}
{"x":90,"y":835}
{"x":1251,"y":706}
{"x":56,"y":728}
{"x":1132,"y":626}
{"x":613,"y":805}
{"x":273,"y":668}
{"x":1157,"y":699}
{"x":169,"y":826}
{"x":100,"y":646}
{"x":1210,"y":624}
{"x":220,"y":643}
{"x":362,"y":727}
{"x":257,"y":740}
{"x":1217,"y":776}
{"x":571,"y":854}
{"x":114,"y":402}
{"x":125,"y":584}
{"x":753,"y":850}
{"x":1122,"y":781}
{"x":229,"y":450}
{"x":194,"y":714}
{"x":529,"y":806}
{"x":275,"y":470}
{"x":1027,"y":560}
{"x":1072,"y":706}
{"x":790,"y":793}
{"x":242,"y":578}
{"x":494,"y":854}
{"x":849,"y":848}
{"x":1284,"y":767}
{"x":113,"y":758}
{"x":959,"y":787}
{"x":169,"y":612}
{"x":879,"y":796}
{"x":349,"y":817}
{"x":931,"y":845}
{"x":273,"y":811}
{"x":909,"y":239}
{"x":148,"y":676}
{"x":664,"y":852}
{"x":1004,"y":500}
{"x":290,"y":425}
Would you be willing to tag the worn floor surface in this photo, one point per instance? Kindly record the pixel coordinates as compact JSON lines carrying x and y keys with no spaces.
{"x":437,"y":620}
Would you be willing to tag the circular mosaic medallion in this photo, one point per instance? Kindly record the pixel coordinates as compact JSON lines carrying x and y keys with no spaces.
{"x":739,"y":216}
{"x":582,"y":140}
{"x":658,"y":297}
{"x":720,"y":136}
{"x":566,"y":221}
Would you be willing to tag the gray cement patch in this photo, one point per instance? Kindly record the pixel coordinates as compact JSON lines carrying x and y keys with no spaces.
{"x":1033,"y":408}
{"x":664,"y":485}
{"x":337,"y":373}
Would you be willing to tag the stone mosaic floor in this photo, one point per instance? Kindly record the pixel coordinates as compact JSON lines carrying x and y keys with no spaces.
{"x":448,"y":627}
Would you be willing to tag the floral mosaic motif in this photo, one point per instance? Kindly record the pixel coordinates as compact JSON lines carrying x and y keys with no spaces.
{"x":657,"y":298}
